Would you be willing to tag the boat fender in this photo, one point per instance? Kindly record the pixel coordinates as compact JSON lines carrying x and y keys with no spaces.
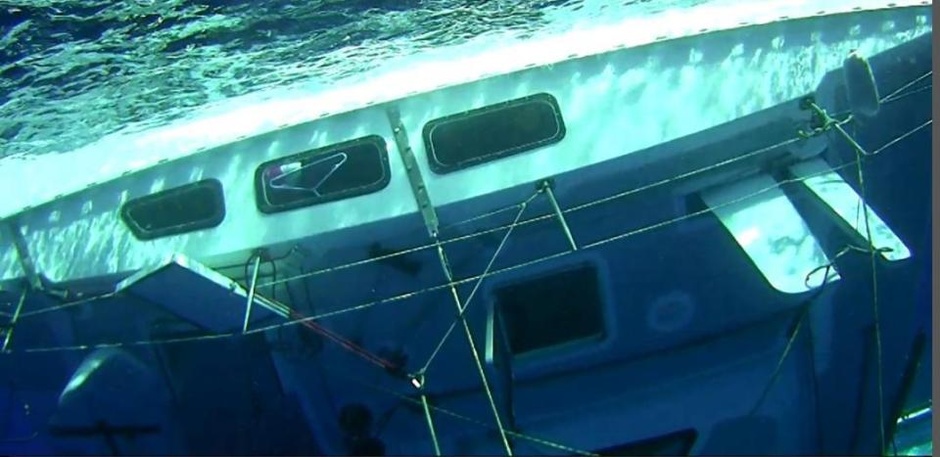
{"x":860,"y":85}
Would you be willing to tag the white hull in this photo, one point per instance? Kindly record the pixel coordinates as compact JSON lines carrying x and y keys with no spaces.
{"x":619,"y":94}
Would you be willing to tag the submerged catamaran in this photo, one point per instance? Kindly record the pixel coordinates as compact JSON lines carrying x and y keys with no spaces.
{"x":649,"y":238}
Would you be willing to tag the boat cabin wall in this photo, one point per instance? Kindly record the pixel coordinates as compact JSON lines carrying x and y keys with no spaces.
{"x":619,"y":103}
{"x":610,"y":106}
{"x":84,"y":235}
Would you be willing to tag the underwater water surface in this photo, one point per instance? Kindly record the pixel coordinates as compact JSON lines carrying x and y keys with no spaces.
{"x":73,"y":71}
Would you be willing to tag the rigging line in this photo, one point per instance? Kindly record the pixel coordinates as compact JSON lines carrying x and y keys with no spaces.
{"x":901,"y":138}
{"x":549,"y":215}
{"x":323,"y":315}
{"x":896,"y":95}
{"x":466,"y":303}
{"x":490,"y":213}
{"x":306,"y":322}
{"x":646,"y":187}
{"x":345,"y":266}
{"x":814,"y":369}
{"x":411,"y":294}
{"x":302,"y":321}
{"x":861,"y":153}
{"x":708,"y":210}
{"x":874,"y":285}
{"x":431,"y":288}
{"x":473,"y":347}
{"x":251,"y":291}
{"x":427,"y":417}
{"x":68,"y":305}
{"x":827,"y":269}
{"x":312,"y":325}
{"x":909,"y":93}
{"x":514,"y":434}
{"x":681,"y":176}
{"x":890,"y":97}
{"x":756,"y":152}
{"x":405,"y":251}
{"x":86,"y":347}
{"x":468,"y":279}
{"x":345,"y":343}
{"x":14,"y":321}
{"x":783,"y":357}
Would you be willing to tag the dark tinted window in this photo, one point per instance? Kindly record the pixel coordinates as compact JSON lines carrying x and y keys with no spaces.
{"x":552,"y":310}
{"x":676,"y":443}
{"x":490,"y":133}
{"x":342,"y":170}
{"x":192,"y":207}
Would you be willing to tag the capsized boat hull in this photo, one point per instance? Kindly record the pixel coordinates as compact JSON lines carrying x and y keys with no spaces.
{"x":660,"y":332}
{"x":616,"y":98}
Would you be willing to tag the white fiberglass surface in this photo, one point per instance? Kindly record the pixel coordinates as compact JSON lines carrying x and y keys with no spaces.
{"x":829,"y":186}
{"x":772,"y":233}
{"x":679,"y":87}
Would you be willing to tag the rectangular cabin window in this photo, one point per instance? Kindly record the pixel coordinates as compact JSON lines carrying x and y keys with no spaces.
{"x":490,"y":133}
{"x":552,"y":310}
{"x":183,"y":209}
{"x":676,"y":443}
{"x":342,"y":170}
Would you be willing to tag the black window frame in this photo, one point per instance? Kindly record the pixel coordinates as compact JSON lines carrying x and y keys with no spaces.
{"x":212,"y":185}
{"x":439,"y":167}
{"x":600,"y":314}
{"x":265,"y":206}
{"x":684,"y":440}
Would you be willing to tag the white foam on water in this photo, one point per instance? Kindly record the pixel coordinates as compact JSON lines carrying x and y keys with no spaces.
{"x":27,"y":181}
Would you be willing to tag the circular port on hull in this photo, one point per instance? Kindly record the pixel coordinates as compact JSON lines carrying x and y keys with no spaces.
{"x":670,"y":312}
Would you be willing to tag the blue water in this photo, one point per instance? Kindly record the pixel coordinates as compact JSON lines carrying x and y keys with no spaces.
{"x":74,"y":71}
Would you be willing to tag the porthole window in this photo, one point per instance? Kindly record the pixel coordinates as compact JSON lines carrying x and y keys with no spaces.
{"x":184,"y":209}
{"x":343,"y":170}
{"x":493,"y":132}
